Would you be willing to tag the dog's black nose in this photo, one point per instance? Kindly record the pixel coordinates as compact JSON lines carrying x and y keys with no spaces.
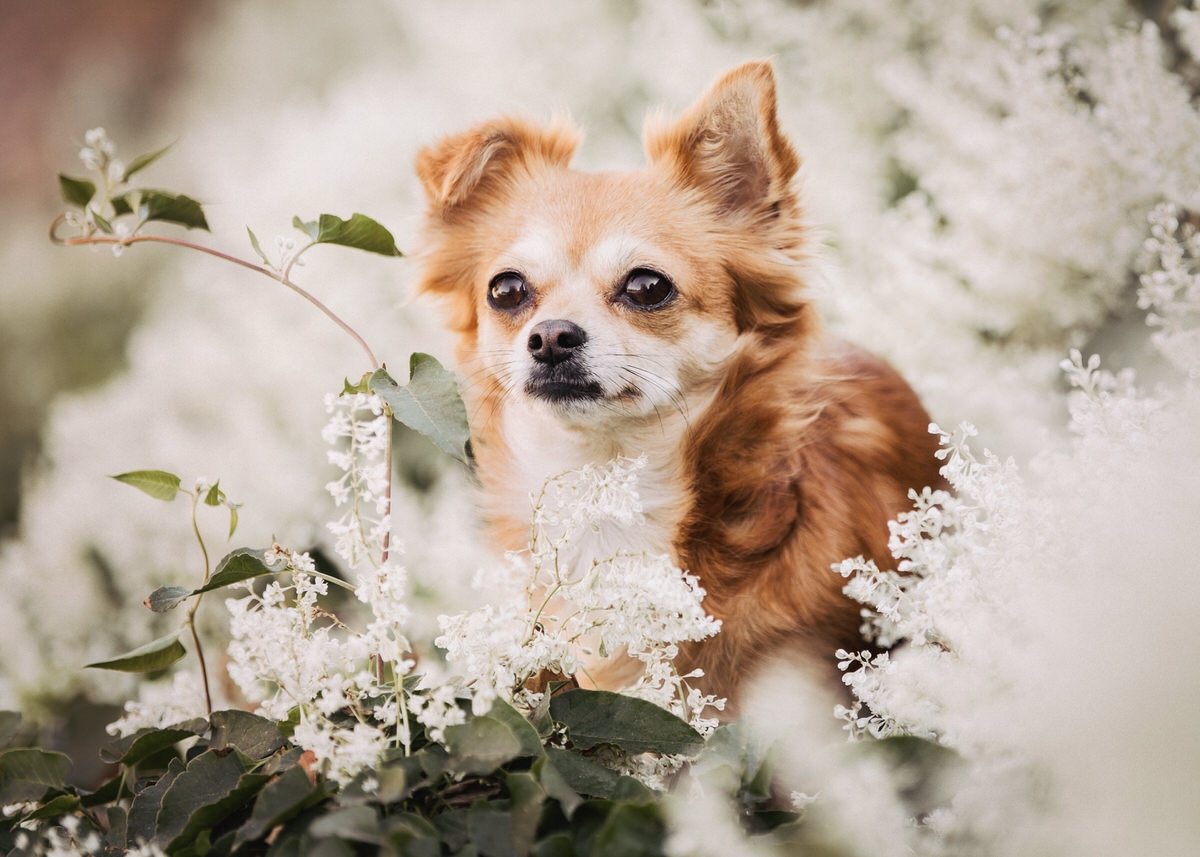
{"x":554,"y":341}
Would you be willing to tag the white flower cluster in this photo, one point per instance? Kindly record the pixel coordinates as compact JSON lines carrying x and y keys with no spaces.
{"x":1170,"y":284}
{"x":360,"y":431}
{"x":288,"y":653}
{"x":554,"y":612}
{"x":161,"y":704}
{"x":64,"y":837}
{"x":99,"y":154}
{"x":1032,"y":611}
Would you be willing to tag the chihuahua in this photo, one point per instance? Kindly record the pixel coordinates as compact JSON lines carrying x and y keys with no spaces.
{"x":662,"y":312}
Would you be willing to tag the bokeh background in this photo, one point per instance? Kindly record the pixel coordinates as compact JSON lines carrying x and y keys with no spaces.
{"x":979,"y":174}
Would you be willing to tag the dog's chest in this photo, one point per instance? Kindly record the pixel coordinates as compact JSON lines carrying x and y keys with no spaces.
{"x":542,"y":453}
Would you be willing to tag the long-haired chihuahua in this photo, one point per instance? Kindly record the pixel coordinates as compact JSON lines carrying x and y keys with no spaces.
{"x":663,"y":312}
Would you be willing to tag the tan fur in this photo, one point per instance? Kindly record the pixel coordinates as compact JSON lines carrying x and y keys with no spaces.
{"x":774,"y":451}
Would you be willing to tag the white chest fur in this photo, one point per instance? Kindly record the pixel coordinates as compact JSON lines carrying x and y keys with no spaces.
{"x":542,"y":447}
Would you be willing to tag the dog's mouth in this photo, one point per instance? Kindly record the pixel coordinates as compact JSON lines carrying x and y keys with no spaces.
{"x":560,"y":385}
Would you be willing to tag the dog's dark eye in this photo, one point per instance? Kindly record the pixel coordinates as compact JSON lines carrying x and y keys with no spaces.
{"x":647,"y":289}
{"x":507,"y":291}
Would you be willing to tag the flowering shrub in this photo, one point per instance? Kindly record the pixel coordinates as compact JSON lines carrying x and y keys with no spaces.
{"x":342,"y":725}
{"x":1004,"y":177}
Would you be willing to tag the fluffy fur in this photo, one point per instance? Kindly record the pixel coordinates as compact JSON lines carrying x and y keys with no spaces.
{"x":774,"y":451}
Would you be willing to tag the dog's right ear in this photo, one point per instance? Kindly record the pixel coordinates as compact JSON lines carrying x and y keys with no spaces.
{"x":461,"y":165}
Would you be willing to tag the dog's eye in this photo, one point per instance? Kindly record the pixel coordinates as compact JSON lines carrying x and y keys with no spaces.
{"x":507,"y":291}
{"x":647,"y":289}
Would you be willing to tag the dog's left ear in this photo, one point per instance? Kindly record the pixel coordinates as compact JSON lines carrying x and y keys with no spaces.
{"x":728,"y":144}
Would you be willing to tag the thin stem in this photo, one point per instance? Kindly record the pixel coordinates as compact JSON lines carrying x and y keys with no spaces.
{"x":280,"y":277}
{"x":191,"y":617}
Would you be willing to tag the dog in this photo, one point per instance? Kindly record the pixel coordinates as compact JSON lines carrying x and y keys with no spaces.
{"x":663,"y":312}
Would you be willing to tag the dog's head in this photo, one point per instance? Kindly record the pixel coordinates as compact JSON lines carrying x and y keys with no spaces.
{"x":617,"y":295}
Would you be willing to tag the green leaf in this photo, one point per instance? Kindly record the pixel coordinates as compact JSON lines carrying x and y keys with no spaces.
{"x":582,"y":775}
{"x":241,"y":564}
{"x":256,"y":737}
{"x":308,"y":227}
{"x":161,"y":205}
{"x":233,"y":519}
{"x":280,"y":800}
{"x":258,"y":248}
{"x":527,"y":797}
{"x":215,"y":496}
{"x":172,"y":208}
{"x":595,"y":717}
{"x":157,"y":483}
{"x":78,"y":192}
{"x":34,"y":765}
{"x":355,"y":823}
{"x":139,"y":826}
{"x":142,"y":161}
{"x":211,"y":787}
{"x":103,"y":224}
{"x":631,"y":830}
{"x":55,"y":807}
{"x":491,"y":830}
{"x":167,"y":598}
{"x":430,"y":403}
{"x":484,"y":743}
{"x":151,"y":657}
{"x":529,"y":742}
{"x":10,"y":722}
{"x":149,"y":741}
{"x":359,"y":231}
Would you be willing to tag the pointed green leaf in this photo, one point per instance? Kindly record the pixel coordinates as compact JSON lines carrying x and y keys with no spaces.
{"x":172,"y":208}
{"x":215,"y":496}
{"x":60,"y":805}
{"x":359,"y":231}
{"x":258,"y":248}
{"x":595,"y":717}
{"x":241,"y":564}
{"x":308,"y":227}
{"x":430,"y":403}
{"x":142,"y":161}
{"x":256,"y":737}
{"x":233,"y":519}
{"x":582,"y":775}
{"x":281,"y":799}
{"x":139,"y":825}
{"x":153,"y":656}
{"x":147,"y":742}
{"x":34,"y":765}
{"x":103,"y":224}
{"x":157,"y":483}
{"x":78,"y":192}
{"x":167,"y":598}
{"x":214,"y":785}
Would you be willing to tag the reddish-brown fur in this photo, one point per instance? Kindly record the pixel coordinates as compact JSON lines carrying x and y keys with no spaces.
{"x":791,"y":455}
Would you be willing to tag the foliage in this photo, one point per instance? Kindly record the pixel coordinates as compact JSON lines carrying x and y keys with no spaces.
{"x":1003,"y":176}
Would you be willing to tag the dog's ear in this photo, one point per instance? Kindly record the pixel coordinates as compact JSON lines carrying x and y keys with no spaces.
{"x":460,"y":165}
{"x":728,"y":144}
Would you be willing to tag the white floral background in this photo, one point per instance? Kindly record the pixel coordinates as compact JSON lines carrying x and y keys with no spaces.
{"x":995,"y":184}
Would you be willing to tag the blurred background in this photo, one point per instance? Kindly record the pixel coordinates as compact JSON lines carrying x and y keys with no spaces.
{"x":979,"y":175}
